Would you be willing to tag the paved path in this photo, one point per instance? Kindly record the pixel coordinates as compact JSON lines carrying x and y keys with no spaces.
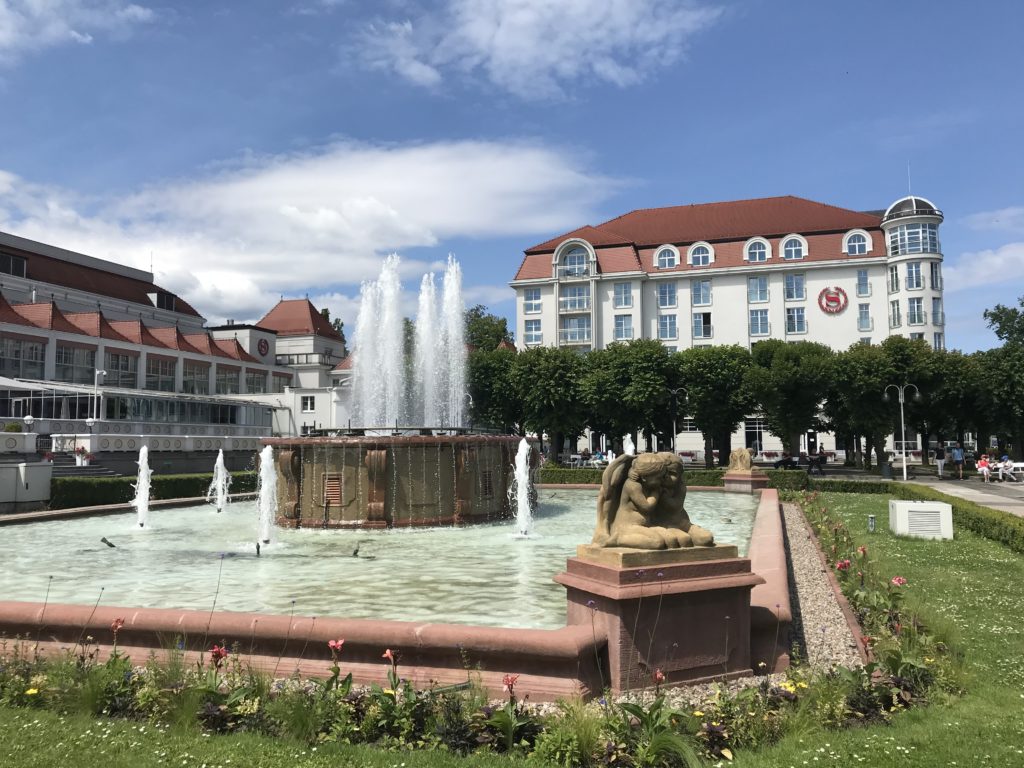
{"x":1007,"y":497}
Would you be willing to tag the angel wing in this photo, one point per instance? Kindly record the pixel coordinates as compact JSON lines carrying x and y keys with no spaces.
{"x":608,"y":499}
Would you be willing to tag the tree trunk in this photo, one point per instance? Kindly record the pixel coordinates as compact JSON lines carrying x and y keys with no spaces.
{"x":794,"y":444}
{"x":724,"y":444}
{"x":866,"y":455}
{"x":709,"y":456}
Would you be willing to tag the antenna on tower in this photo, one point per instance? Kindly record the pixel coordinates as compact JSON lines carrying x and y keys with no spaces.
{"x":909,"y":192}
{"x":151,"y":262}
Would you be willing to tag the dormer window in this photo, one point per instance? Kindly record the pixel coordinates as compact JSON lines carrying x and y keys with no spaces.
{"x":793,"y":249}
{"x":856,"y":245}
{"x":701,"y":255}
{"x":576,"y":261}
{"x":666,"y":258}
{"x":758,"y":250}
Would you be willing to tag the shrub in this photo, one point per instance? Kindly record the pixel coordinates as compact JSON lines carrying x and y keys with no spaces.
{"x":68,"y":492}
{"x":13,"y":427}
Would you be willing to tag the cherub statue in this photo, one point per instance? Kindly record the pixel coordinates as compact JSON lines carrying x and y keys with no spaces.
{"x":641,"y":505}
{"x":740,"y":459}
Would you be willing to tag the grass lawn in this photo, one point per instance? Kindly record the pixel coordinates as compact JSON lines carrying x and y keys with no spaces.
{"x":976,"y":588}
{"x":970,"y":588}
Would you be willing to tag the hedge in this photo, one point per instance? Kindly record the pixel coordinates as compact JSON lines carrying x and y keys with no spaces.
{"x":68,"y":492}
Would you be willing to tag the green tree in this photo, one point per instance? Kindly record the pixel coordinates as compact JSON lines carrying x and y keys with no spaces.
{"x":1007,"y":322}
{"x":484,"y":330}
{"x":497,"y":400}
{"x":717,"y":394}
{"x":624,"y":386}
{"x":790,"y":382}
{"x":913,"y":361}
{"x":339,"y":325}
{"x":856,"y":402}
{"x":548,"y":380}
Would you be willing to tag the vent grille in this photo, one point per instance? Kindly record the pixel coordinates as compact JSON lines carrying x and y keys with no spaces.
{"x":924,"y":523}
{"x":332,"y":490}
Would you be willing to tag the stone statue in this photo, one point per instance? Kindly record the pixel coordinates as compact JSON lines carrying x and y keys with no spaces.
{"x":641,"y":505}
{"x":740,"y":460}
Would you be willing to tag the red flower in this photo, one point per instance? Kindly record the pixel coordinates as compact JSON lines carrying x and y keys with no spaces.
{"x":659,"y":677}
{"x":862,"y":551}
{"x":866,"y":640}
{"x":115,"y":625}
{"x":843,"y":565}
{"x":217,"y":655}
{"x":898,"y":581}
{"x":390,"y":655}
{"x":509,"y":683}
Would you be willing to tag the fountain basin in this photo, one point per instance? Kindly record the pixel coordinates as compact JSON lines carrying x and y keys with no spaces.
{"x":384,"y":481}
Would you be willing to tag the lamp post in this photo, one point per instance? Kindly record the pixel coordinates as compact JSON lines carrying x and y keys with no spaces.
{"x":95,"y":393}
{"x":675,"y":392}
{"x":29,"y":421}
{"x":902,"y":391}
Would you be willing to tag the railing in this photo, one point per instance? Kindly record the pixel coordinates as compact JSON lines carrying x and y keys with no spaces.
{"x":623,"y":303}
{"x":311,"y":358}
{"x":935,"y":284}
{"x":573,"y":273}
{"x":917,"y":318}
{"x":623,"y":334}
{"x":863,"y":289}
{"x":915,"y":284}
{"x":796,"y":327}
{"x":938,"y":318}
{"x":532,"y":339}
{"x":574,"y":304}
{"x":703,"y":331}
{"x":760,"y":329}
{"x":895,"y":322}
{"x":913,"y":212}
{"x":574,"y":336}
{"x":894,"y":285}
{"x":865,"y":324}
{"x":531,"y":308}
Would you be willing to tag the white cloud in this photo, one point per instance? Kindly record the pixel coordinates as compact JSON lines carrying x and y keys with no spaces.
{"x":536,"y":48}
{"x":30,"y":25}
{"x":1003,"y":220}
{"x":988,"y":267}
{"x":231,"y":242}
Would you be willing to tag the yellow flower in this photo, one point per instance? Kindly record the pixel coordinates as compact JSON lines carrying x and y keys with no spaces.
{"x":801,"y":684}
{"x":31,"y":691}
{"x":698,"y":713}
{"x":928,"y":660}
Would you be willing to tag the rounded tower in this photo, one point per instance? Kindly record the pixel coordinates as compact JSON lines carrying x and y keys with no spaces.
{"x":911,"y":227}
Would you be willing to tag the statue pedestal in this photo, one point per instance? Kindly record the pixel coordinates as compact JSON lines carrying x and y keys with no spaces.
{"x":745,"y":481}
{"x":683,"y":611}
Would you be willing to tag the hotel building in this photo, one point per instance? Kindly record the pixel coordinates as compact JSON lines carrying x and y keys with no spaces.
{"x":737,"y":273}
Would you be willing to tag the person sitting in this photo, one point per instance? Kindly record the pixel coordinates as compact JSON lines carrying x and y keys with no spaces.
{"x":1006,"y":468}
{"x":984,"y":468}
{"x":786,"y":462}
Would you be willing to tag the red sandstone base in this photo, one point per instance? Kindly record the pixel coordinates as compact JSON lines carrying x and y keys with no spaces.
{"x":739,"y":481}
{"x":691,"y":620}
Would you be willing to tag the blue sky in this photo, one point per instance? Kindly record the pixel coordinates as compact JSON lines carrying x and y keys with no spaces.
{"x":269,"y":148}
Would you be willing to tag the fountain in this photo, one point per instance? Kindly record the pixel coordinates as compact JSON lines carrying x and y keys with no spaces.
{"x":266,"y":495}
{"x":141,"y":500}
{"x":523,"y":489}
{"x":408,"y":459}
{"x":627,"y":446}
{"x":218,"y":491}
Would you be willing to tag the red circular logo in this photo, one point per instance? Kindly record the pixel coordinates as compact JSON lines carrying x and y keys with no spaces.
{"x":832,"y":300}
{"x":263,"y":346}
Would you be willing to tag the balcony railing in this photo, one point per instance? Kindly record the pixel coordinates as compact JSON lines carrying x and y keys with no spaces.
{"x":915,"y":284}
{"x":703,"y":331}
{"x":894,"y":285}
{"x":532,"y":339}
{"x":895,"y":321}
{"x":760,"y":329}
{"x":917,"y":318}
{"x":623,"y":334}
{"x":865,"y":324}
{"x":936,"y":284}
{"x":796,"y":327}
{"x":863,"y":289}
{"x":574,"y":304}
{"x":938,"y":318}
{"x":312,"y":358}
{"x":574,"y":336}
{"x":573,"y":273}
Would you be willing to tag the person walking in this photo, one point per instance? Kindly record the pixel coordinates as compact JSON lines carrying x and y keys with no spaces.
{"x":940,"y":459}
{"x":957,"y":454}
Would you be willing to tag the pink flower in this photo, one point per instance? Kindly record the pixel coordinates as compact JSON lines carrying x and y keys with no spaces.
{"x":843,"y":565}
{"x":390,"y":655}
{"x":217,"y":655}
{"x":898,"y":581}
{"x":862,"y":551}
{"x":659,"y":677}
{"x":335,"y":645}
{"x":866,"y":640}
{"x":509,"y":683}
{"x":115,"y":626}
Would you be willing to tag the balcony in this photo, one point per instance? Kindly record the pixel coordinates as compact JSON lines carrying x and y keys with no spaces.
{"x":574,"y":304}
{"x":917,"y":318}
{"x":865,"y":324}
{"x":574,"y":336}
{"x":573,"y":273}
{"x":315,"y":358}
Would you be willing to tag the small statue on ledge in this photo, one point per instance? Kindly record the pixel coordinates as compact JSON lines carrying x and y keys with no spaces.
{"x":740,"y":460}
{"x":641,"y":505}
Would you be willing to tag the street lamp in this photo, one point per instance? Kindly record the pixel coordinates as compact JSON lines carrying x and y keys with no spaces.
{"x":95,"y":393}
{"x":686,"y":397}
{"x":90,"y":423}
{"x":29,"y":421}
{"x":902,"y":390}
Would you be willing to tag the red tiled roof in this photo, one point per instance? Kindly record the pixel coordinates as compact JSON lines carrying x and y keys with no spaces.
{"x":137,"y":333}
{"x":344,"y":365}
{"x":735,"y":220}
{"x":9,"y":315}
{"x":80,"y":277}
{"x":203,"y":343}
{"x":298,"y":317}
{"x":173,"y":338}
{"x":503,"y":344}
{"x":235,"y":350}
{"x":94,"y":324}
{"x":45,"y":315}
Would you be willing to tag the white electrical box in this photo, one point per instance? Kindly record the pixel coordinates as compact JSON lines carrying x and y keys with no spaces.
{"x":923,"y":519}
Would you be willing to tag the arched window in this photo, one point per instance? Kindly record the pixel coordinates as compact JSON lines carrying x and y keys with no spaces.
{"x":856,"y":245}
{"x":700,"y":256}
{"x":793,"y":249}
{"x":666,"y":258}
{"x":576,"y":261}
{"x":757,"y":251}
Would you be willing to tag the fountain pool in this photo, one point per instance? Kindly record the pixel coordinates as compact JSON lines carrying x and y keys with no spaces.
{"x":481,"y":574}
